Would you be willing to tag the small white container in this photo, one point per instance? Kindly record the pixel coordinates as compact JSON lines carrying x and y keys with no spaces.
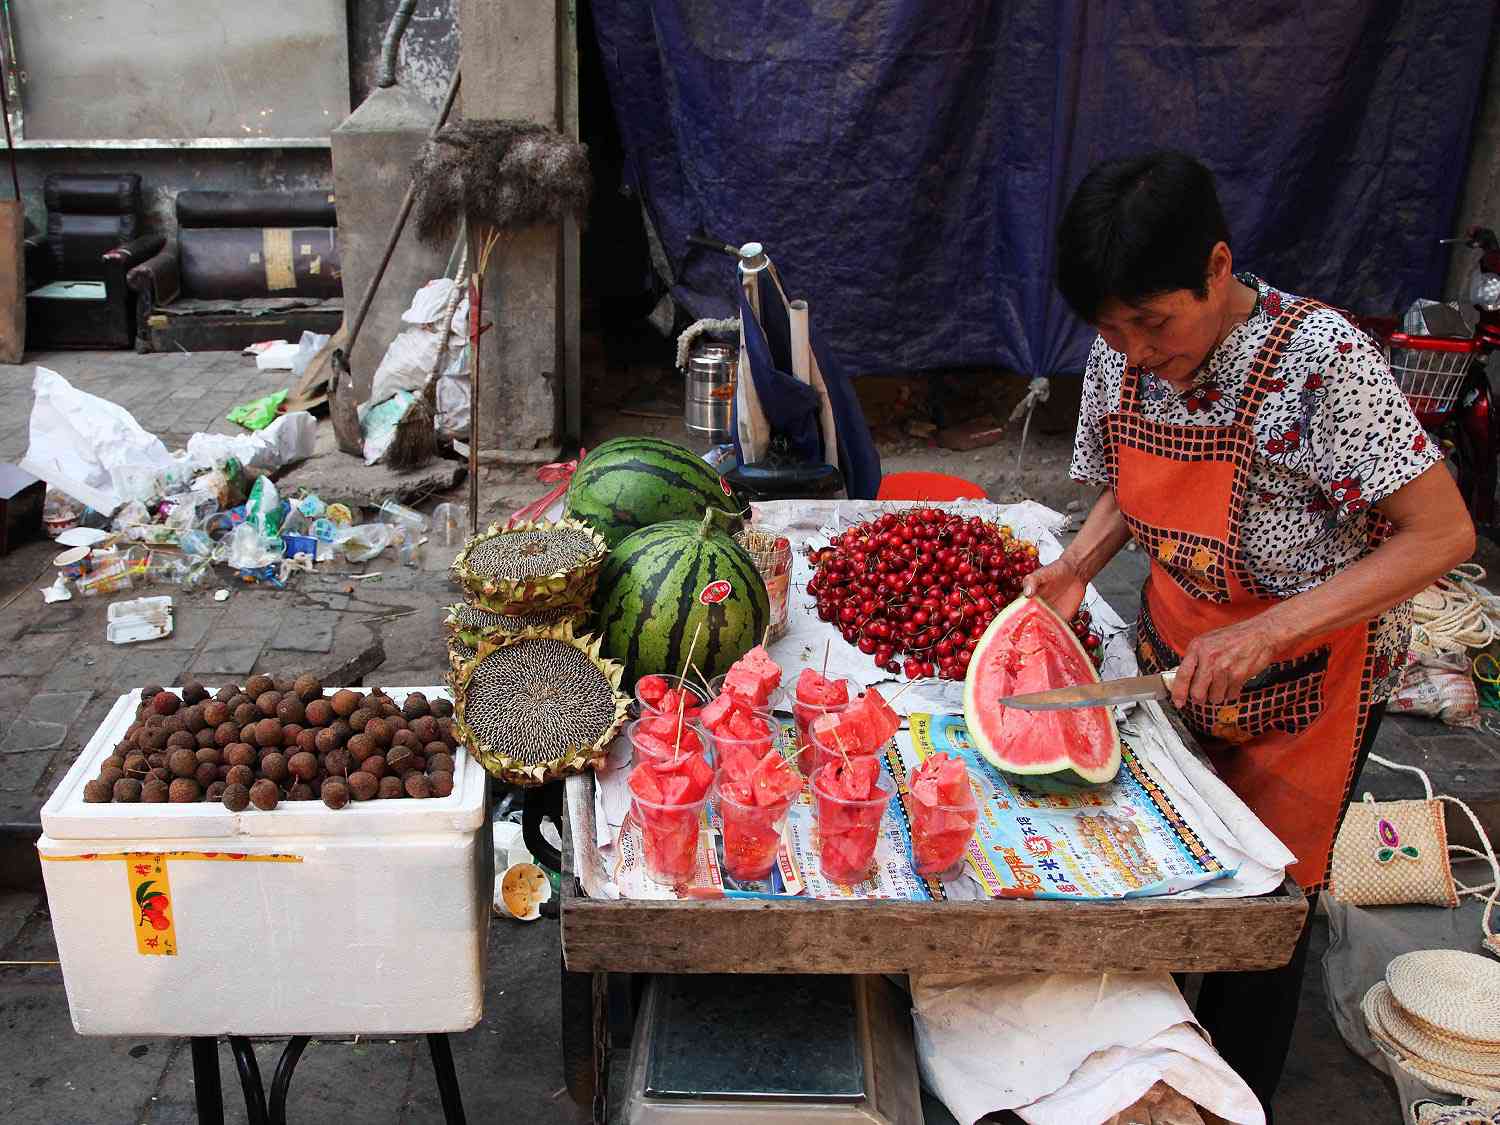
{"x":377,"y":926}
{"x":141,"y":619}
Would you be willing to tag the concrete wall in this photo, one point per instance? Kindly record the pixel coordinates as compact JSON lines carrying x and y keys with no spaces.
{"x":429,"y":52}
{"x":1481,"y":198}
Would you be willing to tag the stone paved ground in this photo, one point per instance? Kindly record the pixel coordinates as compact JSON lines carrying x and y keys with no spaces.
{"x":58,"y":677}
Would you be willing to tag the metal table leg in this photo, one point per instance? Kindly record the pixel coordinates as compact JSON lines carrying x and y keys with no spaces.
{"x":283,"y":1077}
{"x":207,"y":1092}
{"x":447,"y":1078}
{"x":255,"y":1093}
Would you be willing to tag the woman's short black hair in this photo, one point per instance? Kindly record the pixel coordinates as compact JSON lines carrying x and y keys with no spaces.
{"x":1138,"y":228}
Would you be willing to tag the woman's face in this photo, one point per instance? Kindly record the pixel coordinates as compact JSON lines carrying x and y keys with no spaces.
{"x":1172,"y":333}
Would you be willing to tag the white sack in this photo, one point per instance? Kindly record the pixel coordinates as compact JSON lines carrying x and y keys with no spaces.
{"x":289,"y":438}
{"x":78,"y":442}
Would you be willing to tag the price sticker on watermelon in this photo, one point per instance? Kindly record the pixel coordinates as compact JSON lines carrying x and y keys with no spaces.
{"x":715,"y":592}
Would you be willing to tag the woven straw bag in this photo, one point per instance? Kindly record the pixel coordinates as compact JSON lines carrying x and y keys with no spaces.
{"x":1391,"y":853}
{"x":1429,"y":1112}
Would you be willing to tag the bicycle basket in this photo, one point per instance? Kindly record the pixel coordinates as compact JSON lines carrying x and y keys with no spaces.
{"x":1429,"y":369}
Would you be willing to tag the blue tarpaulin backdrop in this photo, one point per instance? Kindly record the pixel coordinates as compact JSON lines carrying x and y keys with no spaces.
{"x":905,"y":162}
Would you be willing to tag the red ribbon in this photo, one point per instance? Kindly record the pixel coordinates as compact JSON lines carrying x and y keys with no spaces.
{"x":558,"y":471}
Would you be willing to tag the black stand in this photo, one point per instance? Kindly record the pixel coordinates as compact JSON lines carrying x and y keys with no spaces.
{"x":209,"y":1092}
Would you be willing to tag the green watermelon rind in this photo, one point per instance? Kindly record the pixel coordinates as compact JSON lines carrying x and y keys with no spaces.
{"x":648,"y":600}
{"x":627,"y":483}
{"x":1062,"y":767}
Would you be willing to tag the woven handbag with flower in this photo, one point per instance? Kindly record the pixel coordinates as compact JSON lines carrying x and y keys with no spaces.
{"x":1391,"y":853}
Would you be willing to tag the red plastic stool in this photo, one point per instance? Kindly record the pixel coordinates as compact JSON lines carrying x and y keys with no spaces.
{"x":928,"y":486}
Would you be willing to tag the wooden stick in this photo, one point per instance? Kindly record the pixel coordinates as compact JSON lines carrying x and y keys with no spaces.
{"x":897,"y":693}
{"x":682,"y":695}
{"x":827,"y":645}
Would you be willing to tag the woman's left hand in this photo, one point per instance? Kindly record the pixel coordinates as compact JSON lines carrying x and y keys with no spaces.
{"x":1216,"y":664}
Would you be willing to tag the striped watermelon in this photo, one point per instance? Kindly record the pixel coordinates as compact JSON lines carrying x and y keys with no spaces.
{"x":664,"y":581}
{"x":632,"y":482}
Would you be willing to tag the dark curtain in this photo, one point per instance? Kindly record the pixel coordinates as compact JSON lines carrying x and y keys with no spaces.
{"x":904,"y":162}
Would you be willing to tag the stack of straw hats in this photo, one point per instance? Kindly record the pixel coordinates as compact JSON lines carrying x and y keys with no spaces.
{"x":1437,"y":1014}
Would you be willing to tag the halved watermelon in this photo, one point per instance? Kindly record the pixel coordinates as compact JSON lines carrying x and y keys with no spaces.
{"x":1027,"y":648}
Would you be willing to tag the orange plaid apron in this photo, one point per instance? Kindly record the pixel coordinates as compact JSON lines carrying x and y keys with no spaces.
{"x":1287,"y":748}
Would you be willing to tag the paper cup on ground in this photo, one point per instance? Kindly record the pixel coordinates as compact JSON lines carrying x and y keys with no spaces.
{"x":523,"y":889}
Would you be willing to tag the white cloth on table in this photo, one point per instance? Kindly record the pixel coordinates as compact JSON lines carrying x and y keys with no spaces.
{"x":1066,"y":1048}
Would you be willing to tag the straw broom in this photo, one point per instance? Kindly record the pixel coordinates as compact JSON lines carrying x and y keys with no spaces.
{"x":501,"y":177}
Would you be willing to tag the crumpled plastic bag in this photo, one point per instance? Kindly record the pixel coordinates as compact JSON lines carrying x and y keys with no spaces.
{"x":379,"y":424}
{"x":80,"y":442}
{"x":428,"y":302}
{"x":258,"y":413}
{"x":1440,"y":687}
{"x":410,"y":357}
{"x":453,"y":405}
{"x":290,"y":438}
{"x":263,"y":508}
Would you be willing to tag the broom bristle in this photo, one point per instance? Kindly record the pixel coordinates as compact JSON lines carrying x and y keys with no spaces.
{"x":504,"y":174}
{"x":415,"y":442}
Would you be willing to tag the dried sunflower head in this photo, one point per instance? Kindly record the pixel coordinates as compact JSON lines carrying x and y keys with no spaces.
{"x":538,"y":705}
{"x":531,"y":567}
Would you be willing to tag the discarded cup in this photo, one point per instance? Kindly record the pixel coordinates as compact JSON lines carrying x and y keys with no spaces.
{"x":392,"y":512}
{"x":195,"y":542}
{"x":447,"y":531}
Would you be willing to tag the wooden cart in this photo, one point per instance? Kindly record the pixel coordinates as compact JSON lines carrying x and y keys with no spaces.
{"x":1006,"y":936}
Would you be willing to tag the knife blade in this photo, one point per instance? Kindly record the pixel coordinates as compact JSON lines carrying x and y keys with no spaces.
{"x":1106,"y":693}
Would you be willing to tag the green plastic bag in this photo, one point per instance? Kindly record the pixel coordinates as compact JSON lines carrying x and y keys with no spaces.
{"x":263,"y":508}
{"x":258,"y":413}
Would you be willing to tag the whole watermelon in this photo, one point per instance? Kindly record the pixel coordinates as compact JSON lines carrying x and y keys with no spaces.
{"x":665,"y":581}
{"x":628,"y":483}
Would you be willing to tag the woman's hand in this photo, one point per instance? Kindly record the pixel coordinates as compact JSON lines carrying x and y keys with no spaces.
{"x":1216,"y":664}
{"x":1059,"y":584}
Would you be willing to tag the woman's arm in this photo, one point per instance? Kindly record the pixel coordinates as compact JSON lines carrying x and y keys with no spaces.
{"x":1063,"y":582}
{"x":1433,"y":534}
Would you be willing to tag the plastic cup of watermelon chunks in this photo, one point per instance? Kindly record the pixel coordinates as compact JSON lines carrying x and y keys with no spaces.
{"x":943,"y":811}
{"x":826,"y":750}
{"x":772,"y":697}
{"x":664,"y":695}
{"x":816,"y":695}
{"x":669,"y":806}
{"x":753,"y":810}
{"x":848,"y":806}
{"x":656,"y":741}
{"x":744,"y":735}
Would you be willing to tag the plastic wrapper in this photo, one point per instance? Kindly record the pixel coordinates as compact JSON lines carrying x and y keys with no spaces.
{"x":364,"y":542}
{"x":263,"y":508}
{"x":287,"y":439}
{"x":1440,"y":687}
{"x":248,"y":549}
{"x":379,"y":424}
{"x":258,"y":413}
{"x":78,"y":440}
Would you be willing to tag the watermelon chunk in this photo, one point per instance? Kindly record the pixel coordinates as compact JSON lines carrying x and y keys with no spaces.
{"x":676,"y":699}
{"x":736,"y":789}
{"x":878,"y":722}
{"x":1028,"y":648}
{"x":942,"y":779}
{"x":650,"y":689}
{"x":817,"y":690}
{"x":737,"y":761}
{"x":645,"y":783}
{"x":714,"y":715}
{"x":854,"y":780}
{"x":666,"y":730}
{"x":774,"y":780}
{"x":753,"y":677}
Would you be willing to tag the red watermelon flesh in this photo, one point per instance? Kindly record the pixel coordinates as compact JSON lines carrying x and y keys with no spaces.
{"x":680,"y":699}
{"x":650,"y":689}
{"x":1028,"y":648}
{"x":816,"y":690}
{"x":717,"y":712}
{"x":737,"y":761}
{"x":753,"y":677}
{"x":666,"y":729}
{"x":774,"y":781}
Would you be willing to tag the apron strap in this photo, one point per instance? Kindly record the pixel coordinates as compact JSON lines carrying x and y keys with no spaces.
{"x":1130,"y":384}
{"x":1268,"y":358}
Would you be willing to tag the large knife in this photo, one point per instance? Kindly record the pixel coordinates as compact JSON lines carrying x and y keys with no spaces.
{"x":1109,"y":693}
{"x":1106,"y":693}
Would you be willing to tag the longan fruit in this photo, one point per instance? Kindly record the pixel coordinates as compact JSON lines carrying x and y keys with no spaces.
{"x":236,"y":797}
{"x":425,"y":729}
{"x":359,"y":718}
{"x":96,"y":792}
{"x":440,"y":782}
{"x":183,"y":791}
{"x":268,"y":733}
{"x":154,"y":791}
{"x":266,"y":703}
{"x":240,"y":775}
{"x":440,"y":762}
{"x":210,"y":754}
{"x":300,"y":791}
{"x":215,"y":791}
{"x":194,"y":692}
{"x":182,"y":763}
{"x":400,"y":759}
{"x":380,"y":731}
{"x":264,"y":795}
{"x":215,"y":712}
{"x":416,"y":786}
{"x":324,"y":740}
{"x":156,"y":759}
{"x":182,"y":741}
{"x":192,"y":719}
{"x":273,"y":765}
{"x":290,"y":732}
{"x":307,"y":687}
{"x":335,"y":793}
{"x":303,"y":766}
{"x":307,"y":740}
{"x":391,"y":787}
{"x":240,"y":754}
{"x":226,"y":733}
{"x":290,"y":710}
{"x":318,"y":712}
{"x":374,"y":765}
{"x":415,"y":706}
{"x":206,"y":774}
{"x":361,"y":746}
{"x":345,"y":702}
{"x":150,"y":692}
{"x":259,"y":685}
{"x":245,"y":714}
{"x":407,"y":739}
{"x":165,"y":703}
{"x":205,"y":738}
{"x":363,"y":786}
{"x":441,"y":708}
{"x":226,"y":693}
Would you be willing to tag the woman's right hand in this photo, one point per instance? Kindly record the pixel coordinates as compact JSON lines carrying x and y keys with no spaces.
{"x":1059,"y":584}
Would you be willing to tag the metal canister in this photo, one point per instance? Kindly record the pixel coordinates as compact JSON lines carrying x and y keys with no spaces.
{"x":711,"y":369}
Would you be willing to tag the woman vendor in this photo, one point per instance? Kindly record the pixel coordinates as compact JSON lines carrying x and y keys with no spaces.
{"x":1257,"y":448}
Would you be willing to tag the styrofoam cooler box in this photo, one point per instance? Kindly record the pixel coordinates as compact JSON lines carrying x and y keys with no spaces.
{"x":371,"y":919}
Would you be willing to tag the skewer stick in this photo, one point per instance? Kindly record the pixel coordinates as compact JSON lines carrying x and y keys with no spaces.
{"x":682,"y":695}
{"x":827,"y":645}
{"x":895,"y":695}
{"x":702,"y":679}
